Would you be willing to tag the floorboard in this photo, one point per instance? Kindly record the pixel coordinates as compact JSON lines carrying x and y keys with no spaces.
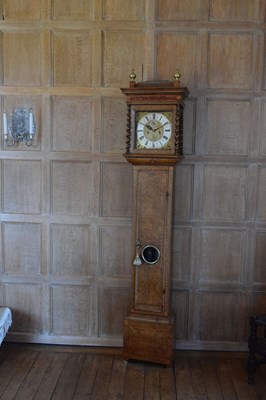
{"x":102,"y":379}
{"x":116,"y":385}
{"x":34,"y":377}
{"x":44,"y":372}
{"x":184,"y":388}
{"x":51,"y":377}
{"x":211,"y":380}
{"x":87,"y":377}
{"x":22,"y":363}
{"x":68,"y":380}
{"x":134,"y":381}
{"x":227,"y":387}
{"x":152,"y":383}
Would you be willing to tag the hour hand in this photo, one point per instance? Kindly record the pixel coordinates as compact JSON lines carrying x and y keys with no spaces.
{"x":149,"y":127}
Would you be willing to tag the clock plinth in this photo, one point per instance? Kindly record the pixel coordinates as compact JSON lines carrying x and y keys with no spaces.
{"x":154,"y":145}
{"x":149,"y":339}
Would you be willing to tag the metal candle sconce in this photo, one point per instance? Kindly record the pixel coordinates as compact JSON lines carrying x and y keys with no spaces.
{"x":21,"y":127}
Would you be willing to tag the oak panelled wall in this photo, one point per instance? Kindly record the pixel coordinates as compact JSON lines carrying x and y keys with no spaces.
{"x":66,"y":228}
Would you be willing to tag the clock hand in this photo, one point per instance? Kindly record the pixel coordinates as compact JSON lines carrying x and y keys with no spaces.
{"x":149,"y":127}
{"x":154,"y":130}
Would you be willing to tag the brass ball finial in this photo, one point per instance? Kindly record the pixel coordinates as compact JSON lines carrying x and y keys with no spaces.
{"x":177,"y":75}
{"x":132,"y":76}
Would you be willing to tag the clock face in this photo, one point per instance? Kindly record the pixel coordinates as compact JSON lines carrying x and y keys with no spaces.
{"x":153,"y":130}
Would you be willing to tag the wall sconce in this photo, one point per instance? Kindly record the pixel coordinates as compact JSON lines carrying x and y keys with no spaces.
{"x":21,"y":127}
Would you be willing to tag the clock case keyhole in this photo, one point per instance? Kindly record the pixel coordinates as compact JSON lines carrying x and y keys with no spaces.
{"x":149,"y":254}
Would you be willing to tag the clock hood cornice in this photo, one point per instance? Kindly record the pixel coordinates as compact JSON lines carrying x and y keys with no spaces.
{"x":152,"y":92}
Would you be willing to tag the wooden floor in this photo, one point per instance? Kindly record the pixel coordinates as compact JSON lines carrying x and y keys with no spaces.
{"x":42,"y":372}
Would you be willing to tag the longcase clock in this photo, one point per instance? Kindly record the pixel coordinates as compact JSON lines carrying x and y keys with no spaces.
{"x":154,"y":145}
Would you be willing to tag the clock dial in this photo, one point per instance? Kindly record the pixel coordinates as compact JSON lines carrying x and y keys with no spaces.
{"x":153,"y":130}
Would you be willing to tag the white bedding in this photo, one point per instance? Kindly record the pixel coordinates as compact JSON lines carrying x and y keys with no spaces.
{"x":5,"y":322}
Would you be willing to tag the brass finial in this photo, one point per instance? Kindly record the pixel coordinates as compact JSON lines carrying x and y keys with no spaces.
{"x":177,"y":77}
{"x":132,"y":78}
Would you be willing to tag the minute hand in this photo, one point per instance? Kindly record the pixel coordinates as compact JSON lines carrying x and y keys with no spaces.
{"x":154,"y":130}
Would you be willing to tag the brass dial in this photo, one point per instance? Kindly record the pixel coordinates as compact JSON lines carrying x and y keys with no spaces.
{"x":153,"y":130}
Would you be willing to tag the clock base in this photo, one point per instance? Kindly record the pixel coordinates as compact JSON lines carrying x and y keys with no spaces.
{"x":149,"y":339}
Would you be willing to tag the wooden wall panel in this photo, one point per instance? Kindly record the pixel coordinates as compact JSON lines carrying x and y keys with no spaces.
{"x":232,"y":10}
{"x":121,"y":49}
{"x":66,"y":202}
{"x":72,"y":58}
{"x":1,"y":191}
{"x":189,"y":126}
{"x":72,"y":123}
{"x":220,"y":311}
{"x":71,"y":188}
{"x":180,"y":301}
{"x":264,"y":50}
{"x":259,"y":272}
{"x":71,"y":250}
{"x":2,"y":61}
{"x":224,"y":195}
{"x":230,"y":120}
{"x":70,"y":310}
{"x":169,"y":45}
{"x":26,"y":302}
{"x":1,"y":292}
{"x":72,"y":10}
{"x":116,"y":245}
{"x":22,"y":58}
{"x":124,"y":10}
{"x":183,"y":192}
{"x":225,"y":264}
{"x":174,"y":10}
{"x":22,"y":186}
{"x":262,"y":149}
{"x":114,"y":125}
{"x":110,"y":299}
{"x":261,"y":205}
{"x":22,"y":248}
{"x":21,"y":10}
{"x":230,"y":63}
{"x":258,"y":303}
{"x":116,"y":201}
{"x":181,"y":256}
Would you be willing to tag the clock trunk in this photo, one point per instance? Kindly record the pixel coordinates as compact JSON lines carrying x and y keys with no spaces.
{"x":151,"y":302}
{"x":153,"y":199}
